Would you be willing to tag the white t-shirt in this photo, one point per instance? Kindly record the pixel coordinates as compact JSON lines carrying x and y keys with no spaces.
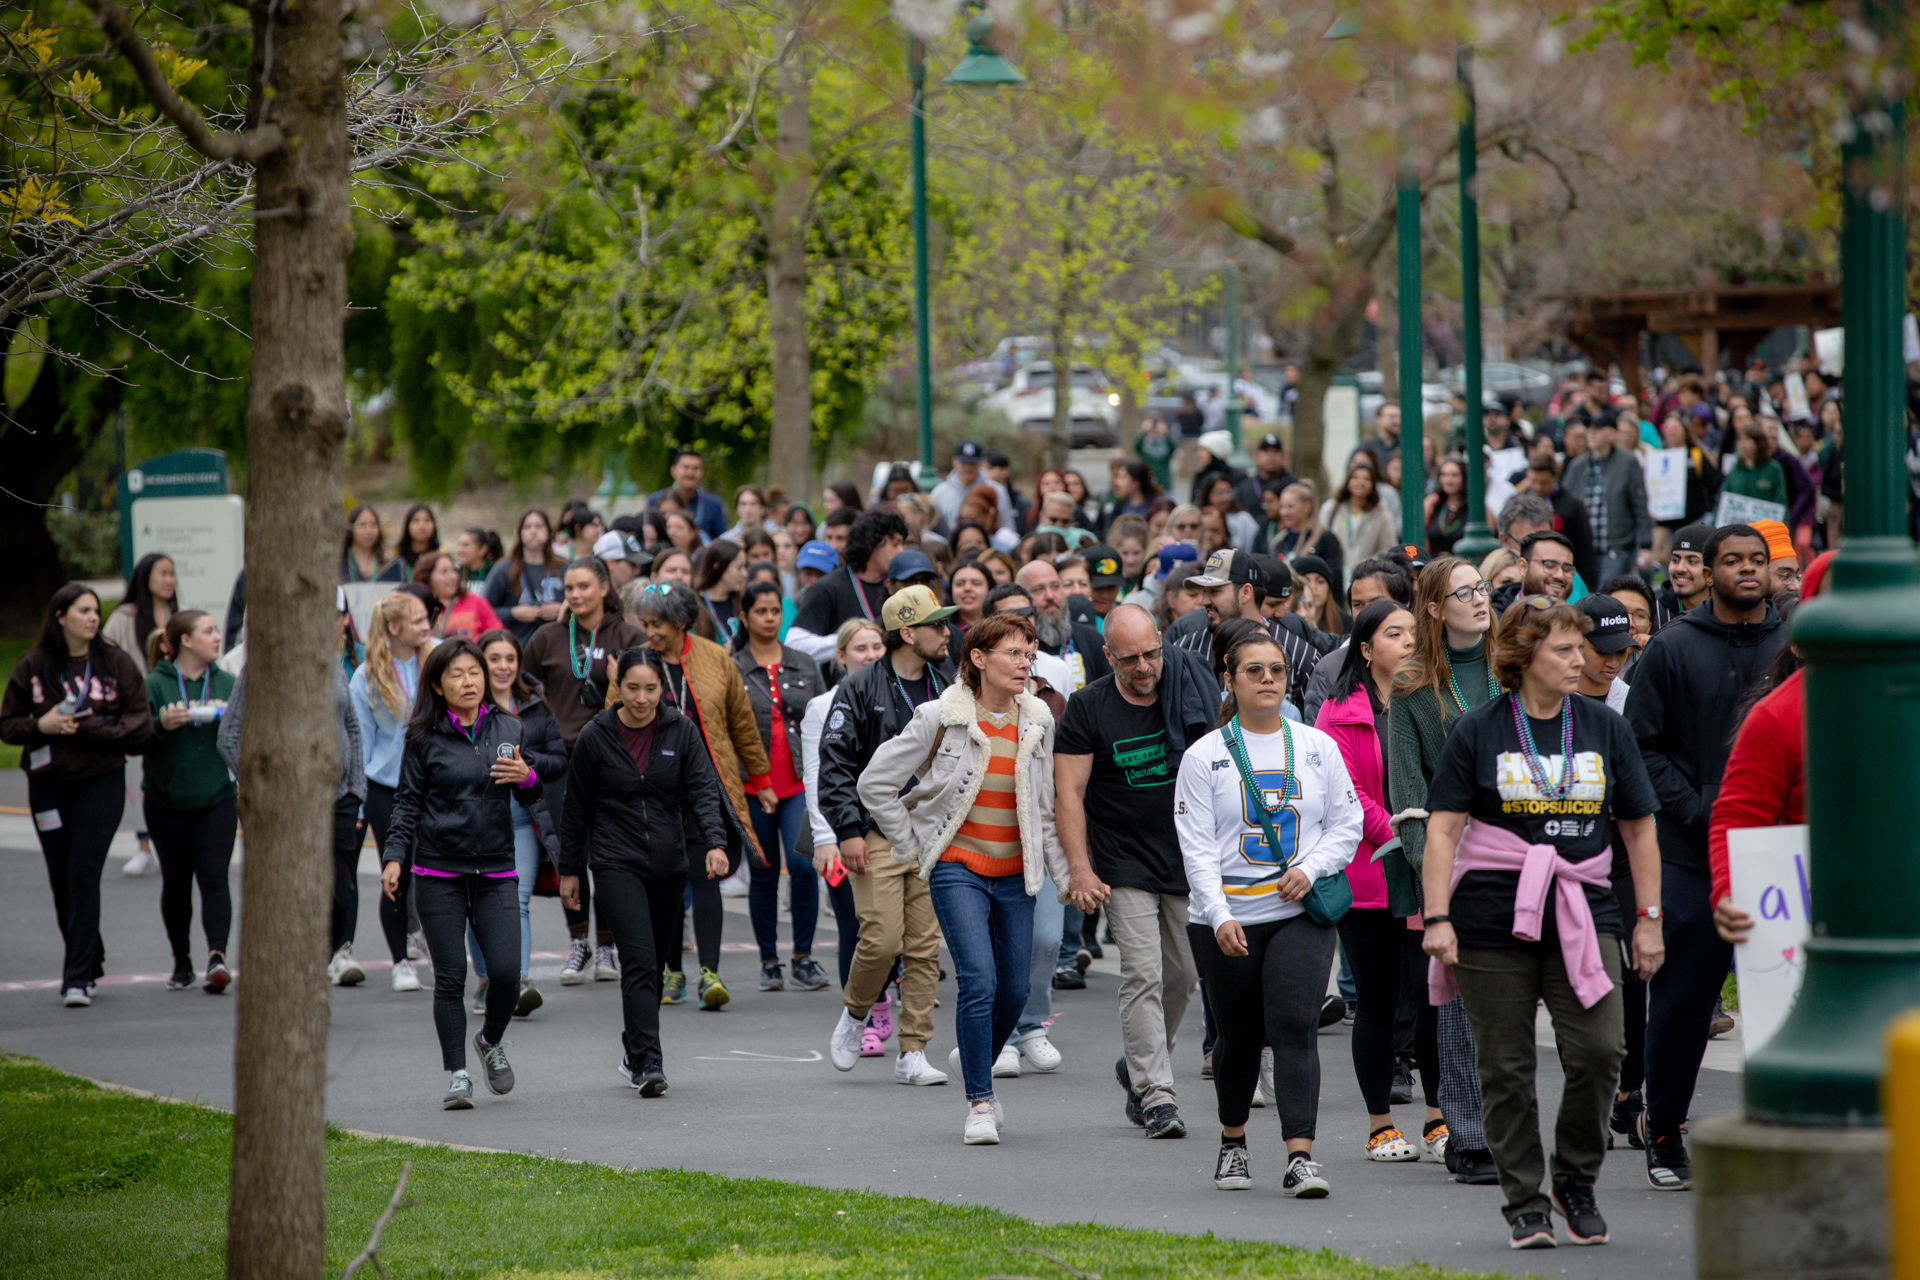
{"x":1231,"y":871}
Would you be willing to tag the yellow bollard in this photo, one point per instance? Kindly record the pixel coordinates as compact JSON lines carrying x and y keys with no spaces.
{"x":1900,"y":1103}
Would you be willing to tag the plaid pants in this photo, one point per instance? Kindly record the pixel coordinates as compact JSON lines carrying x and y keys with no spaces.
{"x":1460,"y":1080}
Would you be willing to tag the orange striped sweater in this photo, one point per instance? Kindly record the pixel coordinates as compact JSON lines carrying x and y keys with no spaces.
{"x":988,"y":842}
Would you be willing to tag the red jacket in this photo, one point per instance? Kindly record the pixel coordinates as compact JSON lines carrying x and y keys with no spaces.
{"x":1349,"y":722}
{"x":1765,"y":783}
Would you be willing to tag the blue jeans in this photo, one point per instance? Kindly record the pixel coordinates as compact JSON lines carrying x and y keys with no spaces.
{"x":779,"y":833}
{"x":526,"y":865}
{"x":1071,"y":933}
{"x":988,"y":925}
{"x":1048,"y":911}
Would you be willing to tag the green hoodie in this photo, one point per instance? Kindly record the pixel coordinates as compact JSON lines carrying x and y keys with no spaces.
{"x":184,"y":770}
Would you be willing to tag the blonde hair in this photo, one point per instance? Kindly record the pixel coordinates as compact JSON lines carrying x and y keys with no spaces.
{"x":853,"y":627}
{"x":391,"y":610}
{"x":1498,"y":561}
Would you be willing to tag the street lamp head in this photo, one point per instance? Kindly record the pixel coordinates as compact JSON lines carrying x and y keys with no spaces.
{"x":983,"y":67}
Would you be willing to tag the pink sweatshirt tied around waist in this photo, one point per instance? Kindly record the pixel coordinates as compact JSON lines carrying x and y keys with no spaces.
{"x":1484,"y":847}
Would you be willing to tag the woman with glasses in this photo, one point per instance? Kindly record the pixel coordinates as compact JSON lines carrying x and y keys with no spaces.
{"x":1520,"y":908}
{"x":979,"y":822}
{"x":1267,"y":815}
{"x":1449,"y":674}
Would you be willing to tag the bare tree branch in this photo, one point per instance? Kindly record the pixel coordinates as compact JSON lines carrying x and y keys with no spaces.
{"x":249,"y":145}
{"x":394,"y":1205}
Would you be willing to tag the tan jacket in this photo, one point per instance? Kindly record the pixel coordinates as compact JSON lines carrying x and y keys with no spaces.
{"x":921,"y":824}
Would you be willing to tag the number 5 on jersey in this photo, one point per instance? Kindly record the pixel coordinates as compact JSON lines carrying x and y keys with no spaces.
{"x":1275,"y":787}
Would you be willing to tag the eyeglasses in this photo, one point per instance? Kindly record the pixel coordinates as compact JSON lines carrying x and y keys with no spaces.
{"x":1554,"y":566}
{"x":1259,"y":673}
{"x":1145,"y":657}
{"x":1018,"y":658}
{"x":1466,"y":594}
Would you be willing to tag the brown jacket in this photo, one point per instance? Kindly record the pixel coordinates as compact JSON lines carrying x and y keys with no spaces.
{"x":725,"y":716}
{"x":548,"y":661}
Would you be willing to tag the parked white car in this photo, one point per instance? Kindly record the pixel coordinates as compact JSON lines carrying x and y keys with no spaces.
{"x":1094,"y":409}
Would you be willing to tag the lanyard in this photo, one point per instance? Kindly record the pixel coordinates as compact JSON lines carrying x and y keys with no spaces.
{"x":581,"y":664}
{"x":86,"y":682}
{"x":206,"y":683}
{"x":860,"y":596}
{"x":928,"y":676}
{"x":724,"y":627}
{"x":408,"y":687}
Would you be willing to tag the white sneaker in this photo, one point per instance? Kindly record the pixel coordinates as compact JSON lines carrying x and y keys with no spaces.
{"x":1007,"y":1065}
{"x":983,"y":1129}
{"x":606,"y":966}
{"x":416,"y":945}
{"x":1039,"y":1051}
{"x":404,"y":978}
{"x":843,"y":1046}
{"x":1264,"y":1096}
{"x":913,"y":1068}
{"x":735,"y":886}
{"x":76,"y":998}
{"x":343,"y":971}
{"x":142,"y":863}
{"x":579,"y":955}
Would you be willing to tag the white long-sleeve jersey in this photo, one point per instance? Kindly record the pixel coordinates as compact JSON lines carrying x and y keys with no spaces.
{"x":1232,"y":872}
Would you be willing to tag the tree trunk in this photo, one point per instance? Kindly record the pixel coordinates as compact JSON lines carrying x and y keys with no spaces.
{"x":1331,"y":335}
{"x":1060,"y":434}
{"x":296,"y":427}
{"x":790,"y":461}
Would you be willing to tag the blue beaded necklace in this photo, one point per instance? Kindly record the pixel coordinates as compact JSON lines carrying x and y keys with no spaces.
{"x":1537,"y":770}
{"x":1493,"y":688}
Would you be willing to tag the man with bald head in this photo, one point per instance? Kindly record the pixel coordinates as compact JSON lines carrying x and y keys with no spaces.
{"x":1115,"y":759}
{"x":1075,"y":642}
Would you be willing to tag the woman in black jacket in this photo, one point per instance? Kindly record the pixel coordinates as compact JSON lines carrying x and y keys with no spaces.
{"x":453,"y":822}
{"x":642,"y":791}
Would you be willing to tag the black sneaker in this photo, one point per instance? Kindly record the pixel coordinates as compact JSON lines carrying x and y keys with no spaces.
{"x":1164,"y":1121}
{"x":770,"y":979}
{"x":1332,"y":1010}
{"x":650,"y":1080}
{"x":1067,"y":978}
{"x":1234,"y":1171}
{"x":1721,"y":1023}
{"x":1532,"y":1231}
{"x":1402,"y":1082}
{"x":1584,"y":1223}
{"x":493,"y":1057}
{"x":1134,"y":1113}
{"x":183,"y":976}
{"x":1474,"y":1167}
{"x":807,"y":975}
{"x":1626,"y":1120}
{"x":1668,"y":1168}
{"x":218,"y":975}
{"x":1303,"y":1180}
{"x":1082,"y":959}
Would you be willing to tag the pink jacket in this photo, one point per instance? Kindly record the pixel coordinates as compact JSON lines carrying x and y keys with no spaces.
{"x":1349,"y":722}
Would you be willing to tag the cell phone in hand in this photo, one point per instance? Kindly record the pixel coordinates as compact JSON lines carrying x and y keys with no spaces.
{"x":836,"y":872}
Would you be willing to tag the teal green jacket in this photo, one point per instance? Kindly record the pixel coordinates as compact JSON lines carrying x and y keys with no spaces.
{"x":184,"y":770}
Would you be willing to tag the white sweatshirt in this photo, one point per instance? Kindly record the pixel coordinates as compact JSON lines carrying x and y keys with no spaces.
{"x":1232,"y":874}
{"x":812,"y":726}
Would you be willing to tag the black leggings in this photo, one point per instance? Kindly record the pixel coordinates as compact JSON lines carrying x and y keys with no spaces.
{"x":83,"y":816}
{"x":346,"y":872}
{"x":393,"y":911}
{"x":847,"y":919}
{"x":1270,"y":996}
{"x":639,"y":910}
{"x":708,"y":915}
{"x":1375,"y":940}
{"x":448,"y":906}
{"x":577,"y":920}
{"x":1633,"y":988}
{"x":194,"y":845}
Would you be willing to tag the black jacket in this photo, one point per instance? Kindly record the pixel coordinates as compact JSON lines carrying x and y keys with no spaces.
{"x":867,"y":710}
{"x":800,"y":683}
{"x":1189,"y":698}
{"x":448,"y":812}
{"x":617,"y":816}
{"x":1686,"y":693}
{"x":544,"y":749}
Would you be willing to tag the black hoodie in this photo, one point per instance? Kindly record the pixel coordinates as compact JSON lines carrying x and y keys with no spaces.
{"x":617,"y":816}
{"x":1684,"y":707}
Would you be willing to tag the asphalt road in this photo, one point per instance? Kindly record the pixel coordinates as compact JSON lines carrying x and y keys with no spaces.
{"x":751,"y":1095}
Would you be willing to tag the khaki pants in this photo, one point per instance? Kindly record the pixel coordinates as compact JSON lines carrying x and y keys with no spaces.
{"x":896,"y":919}
{"x":1157,"y":977}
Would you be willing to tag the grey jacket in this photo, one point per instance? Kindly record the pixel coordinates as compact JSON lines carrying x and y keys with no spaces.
{"x":1623,"y":490}
{"x":353,"y":778}
{"x":918,"y":793}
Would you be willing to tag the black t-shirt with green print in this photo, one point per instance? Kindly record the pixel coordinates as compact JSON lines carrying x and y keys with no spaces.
{"x":1130,"y":833}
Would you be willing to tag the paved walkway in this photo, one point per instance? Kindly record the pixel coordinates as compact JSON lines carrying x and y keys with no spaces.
{"x":752,"y":1096}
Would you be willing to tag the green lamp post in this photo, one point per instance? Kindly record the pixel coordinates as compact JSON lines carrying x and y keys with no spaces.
{"x":1861,"y":642}
{"x":981,"y":68}
{"x":1233,"y":361}
{"x":1476,"y":541}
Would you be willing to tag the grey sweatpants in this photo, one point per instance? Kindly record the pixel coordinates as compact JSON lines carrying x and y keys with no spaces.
{"x":1157,"y":978}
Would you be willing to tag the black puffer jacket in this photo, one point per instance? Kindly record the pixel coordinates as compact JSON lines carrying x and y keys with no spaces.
{"x":448,"y":811}
{"x":617,"y":816}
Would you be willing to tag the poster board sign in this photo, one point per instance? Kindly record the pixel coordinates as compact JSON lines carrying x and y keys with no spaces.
{"x":204,"y":537}
{"x":361,"y":597}
{"x":1736,"y":508}
{"x":1769,"y":873}
{"x":1340,"y":419}
{"x":1666,"y":482}
{"x":1501,"y":464}
{"x":1798,"y":410}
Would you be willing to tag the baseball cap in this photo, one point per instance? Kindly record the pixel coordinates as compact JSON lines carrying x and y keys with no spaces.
{"x":969,"y":451}
{"x":1611,"y":632}
{"x":1415,"y":557}
{"x":1271,"y":441}
{"x":1304,"y":565}
{"x":611,"y":545}
{"x":1228,"y":567}
{"x":1779,"y":541}
{"x":1217,"y":443}
{"x":1279,"y":577}
{"x":908,"y":564}
{"x":1692,"y":538}
{"x":1103,"y":566}
{"x":817,"y":555}
{"x":1172,"y":554}
{"x":913,"y":607}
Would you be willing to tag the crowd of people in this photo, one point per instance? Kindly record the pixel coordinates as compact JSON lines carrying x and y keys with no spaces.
{"x":1256,"y":755}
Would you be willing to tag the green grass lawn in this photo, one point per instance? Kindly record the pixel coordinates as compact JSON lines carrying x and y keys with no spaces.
{"x":95,"y":1183}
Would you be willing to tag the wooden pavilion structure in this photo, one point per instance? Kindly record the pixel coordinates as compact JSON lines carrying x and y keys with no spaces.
{"x":1711,"y":321}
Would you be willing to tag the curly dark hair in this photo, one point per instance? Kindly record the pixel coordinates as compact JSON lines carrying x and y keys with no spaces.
{"x":868,"y":532}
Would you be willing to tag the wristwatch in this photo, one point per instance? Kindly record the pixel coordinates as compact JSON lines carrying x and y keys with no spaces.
{"x":1650,"y":913}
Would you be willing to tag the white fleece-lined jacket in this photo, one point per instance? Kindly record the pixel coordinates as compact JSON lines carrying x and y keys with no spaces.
{"x":922,"y":822}
{"x":1232,"y":874}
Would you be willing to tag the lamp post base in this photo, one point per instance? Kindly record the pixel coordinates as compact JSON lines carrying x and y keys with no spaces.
{"x":1787,"y":1202}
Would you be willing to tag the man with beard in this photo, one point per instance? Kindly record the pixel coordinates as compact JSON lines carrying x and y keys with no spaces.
{"x":1114,"y":767}
{"x":1687,"y":692}
{"x":1077,"y":643}
{"x":1234,"y":585}
{"x":1547,"y":559}
{"x":1687,"y":578}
